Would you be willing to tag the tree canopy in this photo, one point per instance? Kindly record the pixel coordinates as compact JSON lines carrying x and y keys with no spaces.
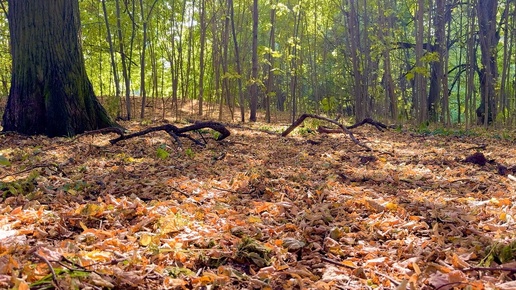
{"x":442,"y":61}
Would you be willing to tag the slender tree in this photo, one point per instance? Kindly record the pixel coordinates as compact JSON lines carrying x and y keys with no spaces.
{"x":112,"y":53}
{"x":237,"y":58}
{"x":488,"y":38}
{"x":201,"y":56}
{"x":145,"y":23}
{"x":270,"y":58}
{"x":254,"y":70}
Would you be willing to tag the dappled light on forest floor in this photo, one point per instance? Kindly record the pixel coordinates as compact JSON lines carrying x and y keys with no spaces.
{"x":257,"y":210}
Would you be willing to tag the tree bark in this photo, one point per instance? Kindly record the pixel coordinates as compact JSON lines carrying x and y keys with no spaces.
{"x":270,"y":73}
{"x":123,"y":56}
{"x":202,"y":41}
{"x":241,"y":99}
{"x":420,"y":84}
{"x":50,"y":92}
{"x":488,"y":36}
{"x":116,"y":78}
{"x":254,"y":70}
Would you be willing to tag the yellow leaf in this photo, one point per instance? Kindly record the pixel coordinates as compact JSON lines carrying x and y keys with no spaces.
{"x":391,"y":206}
{"x":416,"y":268}
{"x":145,"y":240}
{"x":83,"y":226}
{"x":500,"y":202}
{"x":254,"y":219}
{"x":457,"y":262}
{"x":349,"y":263}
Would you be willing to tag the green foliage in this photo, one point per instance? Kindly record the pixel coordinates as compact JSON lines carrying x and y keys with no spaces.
{"x":215,"y":134}
{"x":504,"y":135}
{"x":24,"y":186}
{"x":426,"y":129}
{"x":4,"y":161}
{"x":329,"y":104}
{"x":161,"y":152}
{"x":112,"y":106}
{"x":75,"y":186}
{"x":325,"y":71}
{"x":47,"y":281}
{"x":309,"y":126}
{"x":179,"y":272}
{"x":189,"y":152}
{"x":499,"y":253}
{"x":251,"y":251}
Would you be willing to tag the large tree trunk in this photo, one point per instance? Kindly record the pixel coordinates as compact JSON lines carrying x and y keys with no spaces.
{"x":50,"y":91}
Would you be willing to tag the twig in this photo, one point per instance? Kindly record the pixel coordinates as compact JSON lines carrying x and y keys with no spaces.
{"x":179,"y":190}
{"x":451,"y":284}
{"x":338,"y":263}
{"x":29,"y":169}
{"x":508,"y":269}
{"x":396,"y":283}
{"x":226,"y":190}
{"x":54,"y":276}
{"x":478,"y":147}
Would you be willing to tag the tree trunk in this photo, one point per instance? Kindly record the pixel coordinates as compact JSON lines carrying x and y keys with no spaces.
{"x":488,"y":36}
{"x":125,"y":68}
{"x":387,"y":80}
{"x":112,"y":57}
{"x":145,"y":17}
{"x":470,"y":54}
{"x":420,"y":84}
{"x":270,"y":73}
{"x":143,"y":92}
{"x":50,"y":92}
{"x":237,"y":58}
{"x":254,"y":70}
{"x":201,"y":56}
{"x":358,"y":80}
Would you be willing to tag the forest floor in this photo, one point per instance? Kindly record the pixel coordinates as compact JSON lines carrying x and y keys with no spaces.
{"x":258,"y":211}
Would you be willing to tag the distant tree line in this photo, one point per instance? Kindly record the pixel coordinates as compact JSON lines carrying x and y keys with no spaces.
{"x":442,"y":61}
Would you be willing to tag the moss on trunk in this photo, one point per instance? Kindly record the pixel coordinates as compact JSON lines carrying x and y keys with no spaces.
{"x":50,"y":91}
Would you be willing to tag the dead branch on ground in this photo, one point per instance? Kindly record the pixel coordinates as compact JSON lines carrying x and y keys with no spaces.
{"x":343,"y":129}
{"x":172,"y":130}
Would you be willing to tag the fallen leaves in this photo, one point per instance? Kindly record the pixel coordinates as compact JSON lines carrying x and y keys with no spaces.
{"x":254,"y":211}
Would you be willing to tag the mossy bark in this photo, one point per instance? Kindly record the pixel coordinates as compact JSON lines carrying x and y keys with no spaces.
{"x":50,"y":91}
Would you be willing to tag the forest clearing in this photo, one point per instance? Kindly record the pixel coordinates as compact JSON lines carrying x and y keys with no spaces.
{"x":258,"y":211}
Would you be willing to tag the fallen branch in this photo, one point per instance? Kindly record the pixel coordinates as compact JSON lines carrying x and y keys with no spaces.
{"x":380,"y":126}
{"x":176,"y":132}
{"x":54,"y":276}
{"x":172,"y":130}
{"x":342,"y":127}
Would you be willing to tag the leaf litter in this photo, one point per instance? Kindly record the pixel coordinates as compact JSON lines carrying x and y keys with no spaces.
{"x":257,"y":211}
